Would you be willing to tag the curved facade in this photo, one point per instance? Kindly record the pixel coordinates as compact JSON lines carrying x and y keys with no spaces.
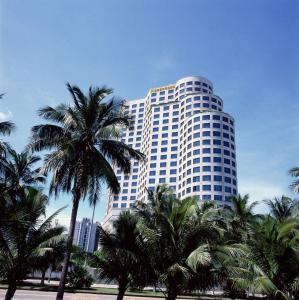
{"x":189,"y":143}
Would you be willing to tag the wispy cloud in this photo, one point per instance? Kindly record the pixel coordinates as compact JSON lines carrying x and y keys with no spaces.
{"x":5,"y":116}
{"x":259,"y":191}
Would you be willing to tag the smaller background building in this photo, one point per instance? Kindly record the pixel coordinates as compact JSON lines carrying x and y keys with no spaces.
{"x":86,"y":235}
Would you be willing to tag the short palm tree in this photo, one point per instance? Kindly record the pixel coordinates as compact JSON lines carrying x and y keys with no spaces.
{"x":240,"y":215}
{"x":123,"y":253}
{"x":24,"y":235}
{"x":283,"y":208}
{"x":272,"y":266}
{"x":177,"y":230}
{"x":82,"y":140}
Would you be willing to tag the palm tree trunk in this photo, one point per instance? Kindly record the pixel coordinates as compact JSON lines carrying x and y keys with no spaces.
{"x":50,"y":273}
{"x":172,"y":293}
{"x":94,"y":207}
{"x":121,"y":292}
{"x":42,"y":282}
{"x":69,"y":244}
{"x":12,"y":286}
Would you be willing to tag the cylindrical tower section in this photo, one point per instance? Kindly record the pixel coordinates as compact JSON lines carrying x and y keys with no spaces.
{"x":207,"y":164}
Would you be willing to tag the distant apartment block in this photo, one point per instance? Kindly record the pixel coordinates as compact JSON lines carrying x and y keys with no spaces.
{"x":189,"y":143}
{"x":86,"y":235}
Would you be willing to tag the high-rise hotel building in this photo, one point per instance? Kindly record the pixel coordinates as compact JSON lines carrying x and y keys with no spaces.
{"x":188,"y":141}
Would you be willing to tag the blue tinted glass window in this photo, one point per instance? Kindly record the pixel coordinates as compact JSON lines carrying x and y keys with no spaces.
{"x":206,"y":133}
{"x":206,"y":187}
{"x":206,"y":168}
{"x":228,"y":189}
{"x":217,"y":178}
{"x":206,"y":150}
{"x":206,"y":142}
{"x":217,"y":159}
{"x":218,"y":188}
{"x":206,"y":178}
{"x":196,"y":170}
{"x":206,"y":159}
{"x":227,"y":180}
{"x":227,"y":170}
{"x":196,"y":179}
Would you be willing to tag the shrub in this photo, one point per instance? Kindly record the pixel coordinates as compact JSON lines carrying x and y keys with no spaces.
{"x":78,"y":278}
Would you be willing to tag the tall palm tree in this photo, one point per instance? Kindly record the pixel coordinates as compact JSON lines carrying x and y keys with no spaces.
{"x":294,"y":172}
{"x":83,"y":144}
{"x":283,"y":208}
{"x":24,"y":235}
{"x":123,"y":253}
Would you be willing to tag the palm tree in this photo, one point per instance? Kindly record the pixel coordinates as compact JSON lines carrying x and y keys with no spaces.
{"x":83,"y":141}
{"x":123,"y":253}
{"x":24,"y":235}
{"x":294,"y":172}
{"x":177,"y":229}
{"x":272,"y":266}
{"x":52,"y":258}
{"x":18,"y":170}
{"x":239,"y":217}
{"x":6,"y":128}
{"x":283,"y":208}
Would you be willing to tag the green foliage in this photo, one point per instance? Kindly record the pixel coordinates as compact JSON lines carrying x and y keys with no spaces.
{"x":122,"y":255}
{"x":78,"y":277}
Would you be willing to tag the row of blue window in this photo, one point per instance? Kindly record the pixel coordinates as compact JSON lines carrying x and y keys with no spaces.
{"x":209,"y":169}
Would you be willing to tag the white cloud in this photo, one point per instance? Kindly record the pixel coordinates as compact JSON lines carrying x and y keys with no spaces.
{"x":5,"y":116}
{"x":258,"y":191}
{"x":63,"y":217}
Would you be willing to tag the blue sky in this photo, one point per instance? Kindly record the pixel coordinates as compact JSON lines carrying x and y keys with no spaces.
{"x":248,"y":49}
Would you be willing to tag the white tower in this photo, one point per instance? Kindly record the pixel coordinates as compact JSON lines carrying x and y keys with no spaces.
{"x":188,"y":141}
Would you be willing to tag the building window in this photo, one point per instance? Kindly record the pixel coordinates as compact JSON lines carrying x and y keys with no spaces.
{"x":206,"y":187}
{"x":217,"y":178}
